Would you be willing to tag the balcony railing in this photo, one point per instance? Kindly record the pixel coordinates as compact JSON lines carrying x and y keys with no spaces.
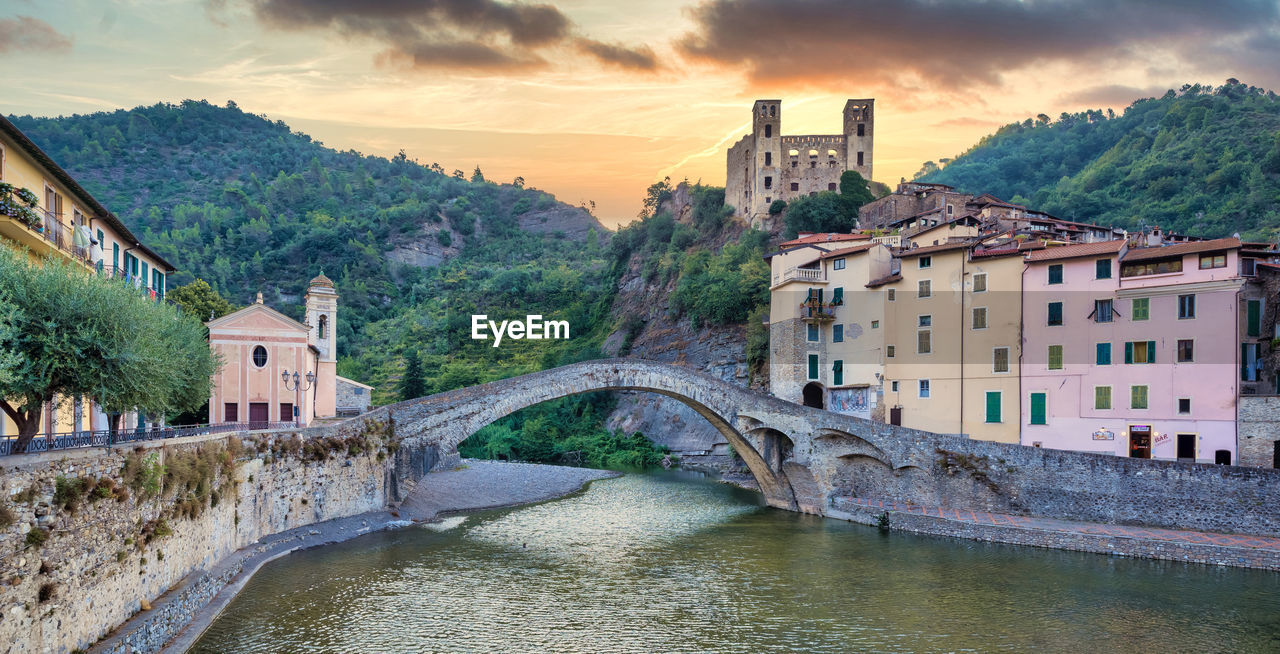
{"x":801,"y":275}
{"x":103,"y":437}
{"x":815,"y":311}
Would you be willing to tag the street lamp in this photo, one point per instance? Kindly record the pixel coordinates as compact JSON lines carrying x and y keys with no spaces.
{"x":298,"y":387}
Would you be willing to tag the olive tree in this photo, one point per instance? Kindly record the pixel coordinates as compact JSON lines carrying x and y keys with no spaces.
{"x":74,"y":334}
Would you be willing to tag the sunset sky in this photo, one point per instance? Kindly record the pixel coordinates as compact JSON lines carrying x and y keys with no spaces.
{"x":595,"y":100}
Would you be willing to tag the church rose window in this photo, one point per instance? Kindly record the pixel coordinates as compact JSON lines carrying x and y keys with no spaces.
{"x":259,"y":356}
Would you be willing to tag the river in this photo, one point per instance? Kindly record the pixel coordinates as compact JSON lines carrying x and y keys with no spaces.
{"x":673,"y":563}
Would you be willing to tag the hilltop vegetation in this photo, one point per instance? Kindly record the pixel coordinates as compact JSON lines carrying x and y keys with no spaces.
{"x":1203,"y":161}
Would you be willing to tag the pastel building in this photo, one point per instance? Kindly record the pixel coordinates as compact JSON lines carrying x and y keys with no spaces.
{"x":1129,"y":351}
{"x":276,"y":369}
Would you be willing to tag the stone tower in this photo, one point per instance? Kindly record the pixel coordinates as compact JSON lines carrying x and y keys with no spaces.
{"x":859,"y":130}
{"x":322,"y":322}
{"x":766,"y":130}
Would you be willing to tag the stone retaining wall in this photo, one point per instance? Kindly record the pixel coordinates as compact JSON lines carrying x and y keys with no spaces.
{"x":1258,"y":430}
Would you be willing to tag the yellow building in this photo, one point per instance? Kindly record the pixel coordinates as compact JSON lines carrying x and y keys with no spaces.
{"x":67,"y":221}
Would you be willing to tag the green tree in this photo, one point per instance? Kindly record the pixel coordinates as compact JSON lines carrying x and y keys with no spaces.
{"x":824,"y":212}
{"x":854,"y":191}
{"x":413,"y":383}
{"x":201,"y":301}
{"x":76,"y":334}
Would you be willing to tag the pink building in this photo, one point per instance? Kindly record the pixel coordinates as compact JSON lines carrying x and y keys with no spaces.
{"x":1131,"y":351}
{"x":262,"y":350}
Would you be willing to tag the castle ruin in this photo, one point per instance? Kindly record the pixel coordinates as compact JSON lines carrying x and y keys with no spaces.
{"x":765,"y":166}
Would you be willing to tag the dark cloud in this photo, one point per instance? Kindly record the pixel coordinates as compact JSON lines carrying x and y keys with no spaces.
{"x":1110,"y":95}
{"x":950,"y":45}
{"x":27,"y":34}
{"x":487,"y":35}
{"x":641,"y":58}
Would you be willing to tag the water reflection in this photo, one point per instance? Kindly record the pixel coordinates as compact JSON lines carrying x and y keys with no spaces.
{"x":666,"y":563}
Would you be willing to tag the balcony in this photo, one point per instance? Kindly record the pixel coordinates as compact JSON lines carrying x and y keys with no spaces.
{"x":817,"y":312}
{"x":809,"y":275}
{"x":39,"y":231}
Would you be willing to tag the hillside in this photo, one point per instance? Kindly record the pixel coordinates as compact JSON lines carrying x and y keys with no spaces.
{"x":249,"y":205}
{"x":1202,"y":161}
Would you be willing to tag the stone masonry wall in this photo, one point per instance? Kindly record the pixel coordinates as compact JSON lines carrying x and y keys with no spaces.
{"x":119,"y":530}
{"x":1257,"y":430}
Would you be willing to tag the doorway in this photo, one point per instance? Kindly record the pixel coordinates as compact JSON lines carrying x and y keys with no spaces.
{"x":895,"y":415}
{"x":1275,"y":454}
{"x":1186,"y":447}
{"x":259,"y":415}
{"x":813,"y":395}
{"x":286,"y":411}
{"x":1140,"y":441}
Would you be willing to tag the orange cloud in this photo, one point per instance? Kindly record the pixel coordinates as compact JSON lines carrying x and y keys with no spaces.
{"x":25,"y":33}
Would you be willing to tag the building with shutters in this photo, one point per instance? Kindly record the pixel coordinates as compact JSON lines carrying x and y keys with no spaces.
{"x":262,"y":350}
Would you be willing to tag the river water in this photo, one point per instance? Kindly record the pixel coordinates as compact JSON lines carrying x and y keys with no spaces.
{"x":671,"y":563}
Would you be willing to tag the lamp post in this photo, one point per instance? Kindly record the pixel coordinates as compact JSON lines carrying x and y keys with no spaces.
{"x":298,"y":387}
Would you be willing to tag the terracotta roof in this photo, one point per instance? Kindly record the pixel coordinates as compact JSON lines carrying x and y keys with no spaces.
{"x":1077,"y":250}
{"x":884,"y":280}
{"x":321,"y":280}
{"x":1178,"y":249}
{"x":823,"y":238}
{"x":987,"y":198}
{"x":850,"y":250}
{"x":930,"y":249}
{"x":100,"y":212}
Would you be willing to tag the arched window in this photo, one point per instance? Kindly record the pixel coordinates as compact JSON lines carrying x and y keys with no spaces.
{"x":768,"y":131}
{"x":259,"y":356}
{"x":813,"y":153}
{"x":324,"y":324}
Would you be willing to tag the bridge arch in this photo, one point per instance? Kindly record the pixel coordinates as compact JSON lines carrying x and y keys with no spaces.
{"x":446,"y":419}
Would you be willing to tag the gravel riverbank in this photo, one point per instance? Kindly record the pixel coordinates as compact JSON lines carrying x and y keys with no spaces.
{"x":473,"y":486}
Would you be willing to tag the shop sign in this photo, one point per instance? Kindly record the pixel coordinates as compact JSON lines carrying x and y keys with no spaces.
{"x":1104,"y":434}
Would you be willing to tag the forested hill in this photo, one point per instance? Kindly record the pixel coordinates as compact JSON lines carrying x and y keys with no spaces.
{"x":1202,"y":161}
{"x":249,"y":205}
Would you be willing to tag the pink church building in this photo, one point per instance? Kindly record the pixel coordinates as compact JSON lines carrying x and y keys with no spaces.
{"x":1131,"y":351}
{"x":276,"y":369}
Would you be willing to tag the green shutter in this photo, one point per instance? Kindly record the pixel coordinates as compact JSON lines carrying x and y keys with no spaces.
{"x":1151,"y":351}
{"x":1255,"y":317}
{"x":1141,"y":308}
{"x":115,"y":257}
{"x":993,"y":406}
{"x":813,"y":366}
{"x":1128,"y":352}
{"x":1055,"y":274}
{"x":837,"y":369}
{"x":1055,"y":313}
{"x":819,"y":295}
{"x":1244,"y":363}
{"x":837,"y":296}
{"x":1038,"y":409}
{"x":1055,"y":357}
{"x":1104,"y":354}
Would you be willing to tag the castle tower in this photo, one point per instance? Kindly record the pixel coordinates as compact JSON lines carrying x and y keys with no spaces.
{"x":322,"y":321}
{"x":859,"y":130}
{"x":766,"y":157}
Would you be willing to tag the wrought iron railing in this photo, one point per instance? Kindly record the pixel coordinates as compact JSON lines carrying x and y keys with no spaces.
{"x":103,"y":437}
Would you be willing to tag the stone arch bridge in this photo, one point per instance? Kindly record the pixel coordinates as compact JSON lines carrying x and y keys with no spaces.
{"x":805,"y":457}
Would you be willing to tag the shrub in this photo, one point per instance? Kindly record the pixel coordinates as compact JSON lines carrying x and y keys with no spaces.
{"x":6,"y":516}
{"x":67,"y":493}
{"x":47,"y":591}
{"x":36,"y":537}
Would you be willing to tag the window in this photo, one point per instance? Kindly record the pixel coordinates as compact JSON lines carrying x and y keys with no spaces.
{"x":1184,"y":405}
{"x":924,"y":321}
{"x":1208,"y":261}
{"x":925,"y":262}
{"x":1250,"y":353}
{"x":980,"y":283}
{"x":1103,"y":352}
{"x":768,"y":131}
{"x":875,"y":324}
{"x":1140,"y":352}
{"x":1055,"y":357}
{"x":1038,"y":408}
{"x":1055,"y":273}
{"x":1249,"y":267}
{"x":979,"y":317}
{"x":924,"y":289}
{"x":1102,"y":310}
{"x":1186,"y":307}
{"x":837,"y":333}
{"x":795,"y":186}
{"x":862,"y":129}
{"x":831,"y":186}
{"x":892,"y":294}
{"x":838,"y":264}
{"x":951,"y":210}
{"x":1159,"y":267}
{"x":859,"y":158}
{"x":1254,"y":317}
{"x":924,"y":388}
{"x":1000,"y":359}
{"x":893,"y":386}
{"x":1103,"y":269}
{"x":1137,"y":397}
{"x":1102,"y":397}
{"x":768,"y":182}
{"x":768,"y":161}
{"x":323,"y":327}
{"x":993,"y":406}
{"x":1186,"y":350}
{"x":1141,"y":308}
{"x":837,"y":296}
{"x":924,"y":341}
{"x":837,"y":373}
{"x":813,"y":366}
{"x":259,"y":356}
{"x":812,"y":336}
{"x":1055,"y":314}
{"x":889,"y":351}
